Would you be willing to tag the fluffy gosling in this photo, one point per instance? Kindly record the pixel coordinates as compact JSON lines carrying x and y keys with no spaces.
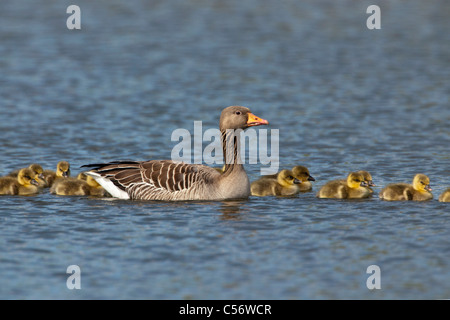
{"x":62,"y":171}
{"x":284,"y":185}
{"x":354,"y":187}
{"x":445,"y":196}
{"x":81,"y":186}
{"x":419,"y":190}
{"x":25,"y":184}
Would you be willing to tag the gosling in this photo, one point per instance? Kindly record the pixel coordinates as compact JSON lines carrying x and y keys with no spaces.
{"x":81,"y":186}
{"x":354,"y":187}
{"x":284,"y":185}
{"x":418,"y":191}
{"x":95,"y":189}
{"x":445,"y":196}
{"x":62,"y":171}
{"x":302,"y":174}
{"x":38,"y":171}
{"x":25,"y":184}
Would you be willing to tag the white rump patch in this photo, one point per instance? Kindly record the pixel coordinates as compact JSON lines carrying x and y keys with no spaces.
{"x":109,"y":186}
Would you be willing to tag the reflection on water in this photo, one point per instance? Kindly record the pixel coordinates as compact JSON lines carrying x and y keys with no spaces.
{"x":232,"y":210}
{"x":343,"y":97}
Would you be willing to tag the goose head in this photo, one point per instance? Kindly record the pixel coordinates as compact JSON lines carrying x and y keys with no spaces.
{"x":237,"y":117}
{"x":302,"y":173}
{"x":367,"y":178}
{"x":421,"y":183}
{"x":26,"y":177}
{"x":286,"y":178}
{"x":356,"y":180}
{"x":63,"y":169}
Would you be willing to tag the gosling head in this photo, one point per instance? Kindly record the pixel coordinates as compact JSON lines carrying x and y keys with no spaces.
{"x":91,"y":182}
{"x":356,"y":180}
{"x":37,"y":169}
{"x":367,"y":178}
{"x":82,"y":176}
{"x":63,"y":169}
{"x":421,"y":183}
{"x":302,"y":174}
{"x":286,"y":178}
{"x":26,"y":177}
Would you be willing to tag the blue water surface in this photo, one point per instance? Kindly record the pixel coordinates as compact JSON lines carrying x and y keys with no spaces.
{"x":343,"y":97}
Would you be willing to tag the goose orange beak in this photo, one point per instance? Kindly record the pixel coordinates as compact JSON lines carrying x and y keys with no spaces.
{"x":255,"y":121}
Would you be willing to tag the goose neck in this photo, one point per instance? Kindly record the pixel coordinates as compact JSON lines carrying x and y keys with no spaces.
{"x":231,"y":150}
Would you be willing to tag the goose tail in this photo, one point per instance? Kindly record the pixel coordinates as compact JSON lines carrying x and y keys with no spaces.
{"x":109,"y":186}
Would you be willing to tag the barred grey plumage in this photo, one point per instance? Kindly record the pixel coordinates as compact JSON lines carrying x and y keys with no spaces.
{"x":170,"y":180}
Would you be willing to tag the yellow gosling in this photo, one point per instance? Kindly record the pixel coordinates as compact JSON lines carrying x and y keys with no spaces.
{"x":368,"y":179}
{"x":37,"y":169}
{"x":419,"y":190}
{"x":70,"y":187}
{"x":354,"y":187}
{"x":302,"y":174}
{"x":82,"y":176}
{"x":284,"y":185}
{"x":24,"y":184}
{"x":62,"y":171}
{"x":445,"y":196}
{"x":95,"y":189}
{"x":81,"y":186}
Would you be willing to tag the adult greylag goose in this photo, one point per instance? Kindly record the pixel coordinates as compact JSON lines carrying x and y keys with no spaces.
{"x":170,"y":180}
{"x":419,"y":190}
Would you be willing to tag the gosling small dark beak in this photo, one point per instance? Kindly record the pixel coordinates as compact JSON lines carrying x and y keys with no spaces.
{"x":34,"y":182}
{"x":428,"y":188}
{"x":41,"y":176}
{"x":65,"y":174}
{"x":364,"y":184}
{"x":296,"y":181}
{"x":311,"y":179}
{"x":371,"y":184}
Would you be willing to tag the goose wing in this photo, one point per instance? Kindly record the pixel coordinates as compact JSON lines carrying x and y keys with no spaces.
{"x":156,"y":179}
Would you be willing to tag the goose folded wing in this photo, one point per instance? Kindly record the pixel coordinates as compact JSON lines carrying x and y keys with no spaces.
{"x":154,"y":176}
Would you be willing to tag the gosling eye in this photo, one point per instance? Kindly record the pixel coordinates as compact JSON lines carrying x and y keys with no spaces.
{"x":238,"y":113}
{"x":291,"y":178}
{"x":357,"y":180}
